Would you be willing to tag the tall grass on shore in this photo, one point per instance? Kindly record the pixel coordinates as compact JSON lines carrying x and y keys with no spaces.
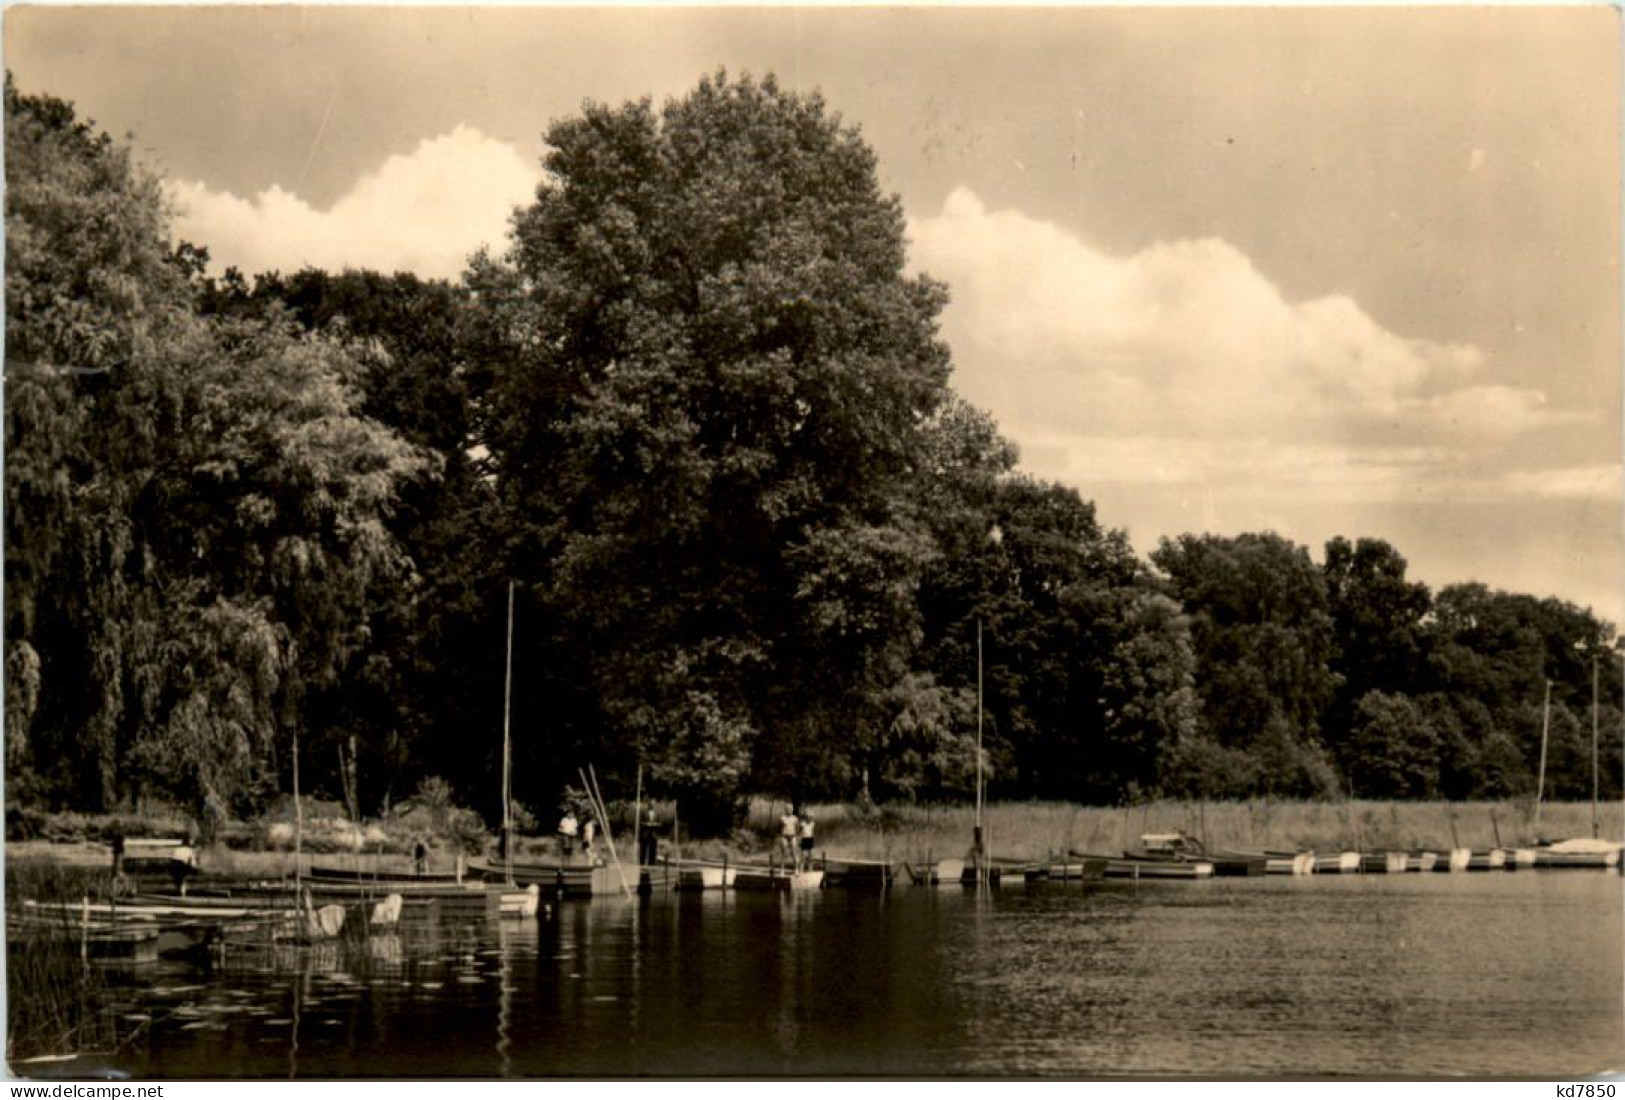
{"x":56,"y":1001}
{"x":1034,"y":830}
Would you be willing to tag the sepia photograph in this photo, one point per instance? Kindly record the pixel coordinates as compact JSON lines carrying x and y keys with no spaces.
{"x":788,"y":543}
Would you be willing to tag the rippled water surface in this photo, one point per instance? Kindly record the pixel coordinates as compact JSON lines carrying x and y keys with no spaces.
{"x":1413,"y":975}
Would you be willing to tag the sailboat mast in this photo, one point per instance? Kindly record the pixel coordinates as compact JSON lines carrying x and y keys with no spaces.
{"x":1594,"y":704}
{"x":507,"y":750}
{"x":978,"y":730}
{"x":1540,"y":783}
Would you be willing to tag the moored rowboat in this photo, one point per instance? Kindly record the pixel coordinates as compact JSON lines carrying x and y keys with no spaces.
{"x":996,"y":871}
{"x":1384,"y":863}
{"x":858,"y":874}
{"x":1289,"y":863}
{"x":553,"y":879}
{"x":355,"y":874}
{"x":706,"y":876}
{"x":771,"y":878}
{"x":314,"y":922}
{"x":1138,"y":869}
{"x":1342,"y":863}
{"x":1076,"y":870}
{"x":1238,"y":864}
{"x":945,"y":872}
{"x":1158,"y":869}
{"x":1455,"y":859}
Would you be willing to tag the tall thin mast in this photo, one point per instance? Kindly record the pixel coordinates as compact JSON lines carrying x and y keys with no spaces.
{"x":1594,"y":703}
{"x":1540,"y":783}
{"x":978,"y":836}
{"x":507,"y":751}
{"x":978,"y":730}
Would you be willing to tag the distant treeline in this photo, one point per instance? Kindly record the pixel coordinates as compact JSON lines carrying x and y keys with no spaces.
{"x":700,"y":417}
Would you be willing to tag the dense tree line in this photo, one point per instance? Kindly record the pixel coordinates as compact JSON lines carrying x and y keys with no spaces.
{"x":699,"y":416}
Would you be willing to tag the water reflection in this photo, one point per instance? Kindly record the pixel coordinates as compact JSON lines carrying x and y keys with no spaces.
{"x":1378,"y":975}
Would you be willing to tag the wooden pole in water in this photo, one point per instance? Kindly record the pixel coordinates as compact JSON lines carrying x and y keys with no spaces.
{"x":298,"y":814}
{"x":1540,"y":783}
{"x":637,"y":819}
{"x":507,"y":752}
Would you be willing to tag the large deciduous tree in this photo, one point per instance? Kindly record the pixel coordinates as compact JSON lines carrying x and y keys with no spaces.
{"x":1494,"y":653}
{"x":1262,"y":631}
{"x":709,"y":376}
{"x":1378,"y":640}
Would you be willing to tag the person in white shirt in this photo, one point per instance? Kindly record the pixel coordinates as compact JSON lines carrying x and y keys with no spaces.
{"x":789,"y":829}
{"x":567,"y":832}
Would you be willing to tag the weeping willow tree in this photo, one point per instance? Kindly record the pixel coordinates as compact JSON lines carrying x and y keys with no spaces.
{"x":196,"y":512}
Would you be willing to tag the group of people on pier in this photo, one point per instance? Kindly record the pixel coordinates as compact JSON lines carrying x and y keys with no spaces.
{"x":796,"y":839}
{"x":796,"y":831}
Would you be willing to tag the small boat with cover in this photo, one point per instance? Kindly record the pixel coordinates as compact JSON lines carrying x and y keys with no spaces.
{"x":1137,"y":869}
{"x":1577,"y":854}
{"x":1178,"y":847}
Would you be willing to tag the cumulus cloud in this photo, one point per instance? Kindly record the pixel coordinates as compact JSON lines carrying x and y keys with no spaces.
{"x":423,"y":212}
{"x":1184,"y":364}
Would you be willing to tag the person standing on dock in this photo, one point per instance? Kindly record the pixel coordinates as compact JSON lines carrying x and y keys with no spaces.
{"x":589,"y":833}
{"x":805,"y":862}
{"x":789,"y":830}
{"x":567,"y":833}
{"x":649,"y":839}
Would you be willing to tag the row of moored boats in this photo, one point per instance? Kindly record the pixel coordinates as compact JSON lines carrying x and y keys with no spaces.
{"x":207,"y":913}
{"x":1177,"y":856}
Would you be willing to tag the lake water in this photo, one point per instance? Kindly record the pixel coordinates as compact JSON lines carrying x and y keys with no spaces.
{"x":1418,"y":975}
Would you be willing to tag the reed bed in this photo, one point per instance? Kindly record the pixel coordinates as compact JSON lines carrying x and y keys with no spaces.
{"x":56,"y":1001}
{"x":1034,"y":830}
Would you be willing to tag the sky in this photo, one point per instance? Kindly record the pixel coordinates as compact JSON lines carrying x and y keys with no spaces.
{"x":1340,"y":271}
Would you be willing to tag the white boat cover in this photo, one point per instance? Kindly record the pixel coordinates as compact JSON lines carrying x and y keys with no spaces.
{"x":1586,"y":845}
